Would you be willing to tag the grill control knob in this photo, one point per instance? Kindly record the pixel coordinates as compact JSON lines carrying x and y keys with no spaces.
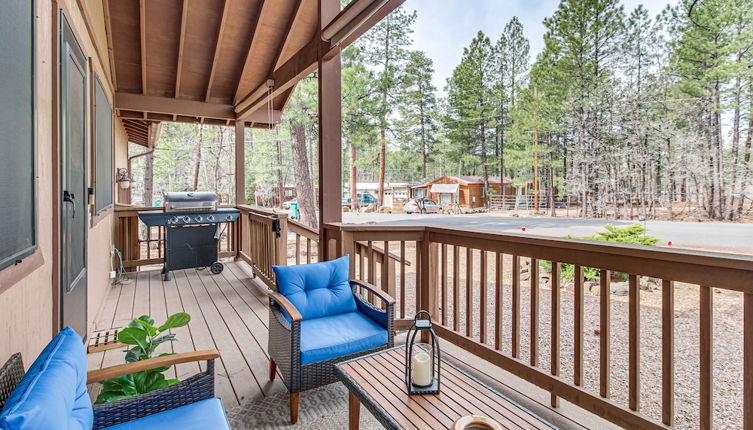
{"x":173,"y":220}
{"x":229,"y":217}
{"x":186,"y":219}
{"x":198,"y":218}
{"x":210,"y":218}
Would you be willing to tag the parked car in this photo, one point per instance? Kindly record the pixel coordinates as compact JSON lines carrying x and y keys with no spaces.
{"x":286,"y":205}
{"x":363,"y":199}
{"x":424,"y":206}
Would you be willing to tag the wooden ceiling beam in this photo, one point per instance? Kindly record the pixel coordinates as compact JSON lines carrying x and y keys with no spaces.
{"x":142,"y":33}
{"x":286,"y":37}
{"x":285,"y":77}
{"x":261,"y":10}
{"x":181,"y":44}
{"x":217,"y":47}
{"x":192,"y":108}
{"x":110,"y":50}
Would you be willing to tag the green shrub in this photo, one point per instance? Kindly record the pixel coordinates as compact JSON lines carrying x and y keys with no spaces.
{"x":634,"y":234}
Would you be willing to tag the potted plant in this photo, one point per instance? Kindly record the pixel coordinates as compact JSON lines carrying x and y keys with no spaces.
{"x":144,"y":338}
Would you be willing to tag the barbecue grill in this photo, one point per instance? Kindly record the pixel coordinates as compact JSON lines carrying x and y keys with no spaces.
{"x":192,"y":224}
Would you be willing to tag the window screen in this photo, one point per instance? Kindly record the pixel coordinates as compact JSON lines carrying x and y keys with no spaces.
{"x":103,"y":149}
{"x":17,"y":200}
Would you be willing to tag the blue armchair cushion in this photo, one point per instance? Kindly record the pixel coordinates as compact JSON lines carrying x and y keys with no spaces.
{"x":338,"y":335}
{"x":317,"y":290}
{"x":202,"y":415}
{"x":52,"y":394}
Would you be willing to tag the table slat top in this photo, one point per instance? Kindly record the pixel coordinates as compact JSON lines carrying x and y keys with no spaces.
{"x":379,"y":379}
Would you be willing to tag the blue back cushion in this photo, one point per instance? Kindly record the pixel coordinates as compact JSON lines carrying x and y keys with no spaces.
{"x":52,"y":394}
{"x":319,"y":289}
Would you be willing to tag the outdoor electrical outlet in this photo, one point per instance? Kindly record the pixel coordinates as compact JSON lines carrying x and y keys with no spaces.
{"x":112,"y":275}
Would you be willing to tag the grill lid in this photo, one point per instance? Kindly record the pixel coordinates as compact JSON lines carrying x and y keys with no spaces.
{"x":190,"y":201}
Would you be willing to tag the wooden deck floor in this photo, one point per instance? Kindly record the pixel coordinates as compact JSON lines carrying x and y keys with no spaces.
{"x":228,"y":313}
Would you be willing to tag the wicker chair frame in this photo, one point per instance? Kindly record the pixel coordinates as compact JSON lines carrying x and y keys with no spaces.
{"x":284,"y":345}
{"x":191,"y":390}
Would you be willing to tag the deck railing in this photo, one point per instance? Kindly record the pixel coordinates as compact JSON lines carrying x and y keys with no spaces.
{"x":473,"y":284}
{"x":502,"y":298}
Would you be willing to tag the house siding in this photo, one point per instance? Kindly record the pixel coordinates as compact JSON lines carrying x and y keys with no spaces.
{"x":27,"y":302}
{"x":470,"y":195}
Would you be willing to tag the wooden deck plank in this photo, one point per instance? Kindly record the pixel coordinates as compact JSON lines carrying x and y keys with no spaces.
{"x":158,"y":312}
{"x":203,"y":338}
{"x":242,"y":331}
{"x":184,"y":342}
{"x":241,"y":377}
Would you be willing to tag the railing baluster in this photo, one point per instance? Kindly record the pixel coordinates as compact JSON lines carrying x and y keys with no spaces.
{"x":455,"y":288}
{"x":748,"y":361}
{"x":604,"y":334}
{"x":443,"y":283}
{"x":578,"y":327}
{"x":308,"y":251}
{"x":515,"y":306}
{"x":297,"y":249}
{"x":668,"y":352}
{"x":498,"y":284}
{"x":534,"y":350}
{"x":372,"y":271}
{"x":469,"y":291}
{"x":555,"y":341}
{"x":706,"y":357}
{"x":484,"y":298}
{"x":634,"y":352}
{"x":402,"y":278}
{"x":385,"y":281}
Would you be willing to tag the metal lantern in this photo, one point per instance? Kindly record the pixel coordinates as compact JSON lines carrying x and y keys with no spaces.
{"x":422,"y":369}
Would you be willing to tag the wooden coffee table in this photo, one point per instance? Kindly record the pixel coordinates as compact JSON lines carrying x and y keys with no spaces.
{"x":376,"y":380}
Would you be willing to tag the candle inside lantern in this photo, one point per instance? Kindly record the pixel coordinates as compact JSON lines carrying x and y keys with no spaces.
{"x":422,"y":372}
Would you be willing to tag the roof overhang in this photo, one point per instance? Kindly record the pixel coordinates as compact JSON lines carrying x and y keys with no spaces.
{"x":218,"y":62}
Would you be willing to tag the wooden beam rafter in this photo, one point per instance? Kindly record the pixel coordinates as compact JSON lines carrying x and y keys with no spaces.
{"x":217,"y":47}
{"x":192,"y":108}
{"x":261,"y":10}
{"x":110,"y":50}
{"x":181,"y":44}
{"x":142,"y":34}
{"x":286,"y":38}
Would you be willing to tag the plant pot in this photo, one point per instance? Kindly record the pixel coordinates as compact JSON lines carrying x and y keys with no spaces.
{"x":477,"y":422}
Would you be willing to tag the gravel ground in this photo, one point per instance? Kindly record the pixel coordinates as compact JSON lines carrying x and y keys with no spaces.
{"x":727,"y":334}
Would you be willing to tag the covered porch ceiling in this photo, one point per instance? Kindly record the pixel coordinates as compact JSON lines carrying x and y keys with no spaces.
{"x":220,"y":61}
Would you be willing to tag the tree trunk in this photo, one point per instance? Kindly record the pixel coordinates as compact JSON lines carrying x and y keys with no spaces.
{"x":197,"y":158}
{"x":353,"y":178}
{"x":303,"y":185}
{"x":148,"y":195}
{"x":278,"y":172}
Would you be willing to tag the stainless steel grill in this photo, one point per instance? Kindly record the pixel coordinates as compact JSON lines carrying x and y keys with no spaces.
{"x":190,"y":201}
{"x":192,"y":229}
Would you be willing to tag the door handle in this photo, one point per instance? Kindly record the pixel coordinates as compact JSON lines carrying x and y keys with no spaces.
{"x":69,"y":197}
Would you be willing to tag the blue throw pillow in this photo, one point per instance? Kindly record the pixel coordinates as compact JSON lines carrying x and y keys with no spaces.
{"x":319,"y":289}
{"x":52,"y":394}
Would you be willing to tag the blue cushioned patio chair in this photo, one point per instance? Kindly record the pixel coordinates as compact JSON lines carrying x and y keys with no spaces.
{"x":53,"y":393}
{"x":317,"y":319}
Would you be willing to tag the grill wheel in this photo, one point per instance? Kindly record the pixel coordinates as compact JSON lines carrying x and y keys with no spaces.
{"x":217,"y":267}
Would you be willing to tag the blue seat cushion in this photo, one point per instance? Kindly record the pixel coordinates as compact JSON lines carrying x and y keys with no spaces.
{"x":335,"y":336}
{"x":52,"y":394}
{"x":202,"y":415}
{"x":317,"y":290}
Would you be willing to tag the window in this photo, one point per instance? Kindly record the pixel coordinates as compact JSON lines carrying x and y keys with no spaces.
{"x":17,"y":193}
{"x":103,"y":174}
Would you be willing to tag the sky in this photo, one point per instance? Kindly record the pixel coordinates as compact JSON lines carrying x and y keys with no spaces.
{"x":444,"y":27}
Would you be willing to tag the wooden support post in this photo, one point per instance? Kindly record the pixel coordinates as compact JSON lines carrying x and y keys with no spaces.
{"x":240,"y":163}
{"x":330,"y":131}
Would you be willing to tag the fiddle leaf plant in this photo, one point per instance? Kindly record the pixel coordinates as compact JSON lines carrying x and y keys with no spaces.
{"x":144,"y":338}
